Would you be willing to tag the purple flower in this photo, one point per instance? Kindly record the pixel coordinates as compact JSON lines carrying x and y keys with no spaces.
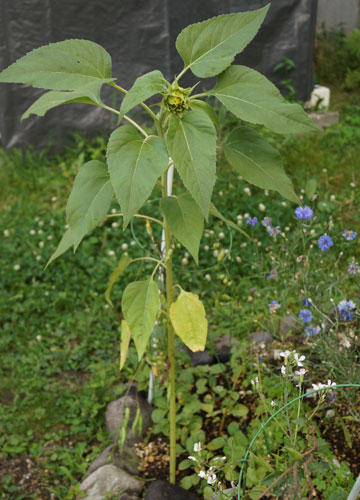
{"x":353,"y":268}
{"x":252,"y":221}
{"x":311,"y":331}
{"x":345,"y":308}
{"x":273,"y":274}
{"x":304,"y":212}
{"x":305,"y":315}
{"x":349,"y":235}
{"x":307,"y":302}
{"x":325,"y":242}
{"x":266,"y":222}
{"x":274,"y":306}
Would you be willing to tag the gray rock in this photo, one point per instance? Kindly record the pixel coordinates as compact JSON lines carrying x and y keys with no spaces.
{"x":109,"y":479}
{"x":200,"y":357}
{"x":127,"y":459}
{"x":126,"y":496}
{"x":222,"y":347}
{"x":325,"y":118}
{"x":261,"y":337}
{"x":163,"y":490}
{"x":288,"y":324}
{"x":115,"y":411}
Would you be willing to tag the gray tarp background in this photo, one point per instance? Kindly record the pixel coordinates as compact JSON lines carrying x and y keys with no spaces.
{"x":140,"y":36}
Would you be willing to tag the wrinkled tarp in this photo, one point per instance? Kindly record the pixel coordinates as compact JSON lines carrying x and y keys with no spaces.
{"x":140,"y":36}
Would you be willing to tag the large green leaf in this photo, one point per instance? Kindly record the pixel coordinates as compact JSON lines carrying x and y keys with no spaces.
{"x":89,"y":95}
{"x":89,"y":200}
{"x":115,"y":275}
{"x":66,"y":242}
{"x":140,"y":305}
{"x":209,"y":47}
{"x":185,"y":220}
{"x":144,"y":87}
{"x":67,"y":65}
{"x":260,"y":164}
{"x":187,"y":316}
{"x":206,"y":108}
{"x":135,"y":163}
{"x":253,"y":98}
{"x":191,"y":140}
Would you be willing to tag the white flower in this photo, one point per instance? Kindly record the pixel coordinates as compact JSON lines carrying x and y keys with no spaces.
{"x":133,"y":243}
{"x":6,"y":233}
{"x":247,"y":191}
{"x":285,"y":354}
{"x":17,"y":267}
{"x":41,"y":244}
{"x":299,"y":359}
{"x":38,"y":337}
{"x":201,"y":474}
{"x":283,"y":370}
{"x":211,"y":479}
{"x":329,"y":383}
{"x":111,"y":253}
{"x":184,"y":261}
{"x":53,"y":198}
{"x":262,"y":207}
{"x":207,"y":277}
{"x":273,"y":403}
{"x":124,"y":246}
{"x":221,"y":236}
{"x":32,"y":232}
{"x":114,"y":225}
{"x":113,"y":211}
{"x":301,"y":372}
{"x":197,"y":447}
{"x":192,"y":458}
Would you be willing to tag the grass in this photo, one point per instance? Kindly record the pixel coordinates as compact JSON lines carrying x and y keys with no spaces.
{"x":60,"y":341}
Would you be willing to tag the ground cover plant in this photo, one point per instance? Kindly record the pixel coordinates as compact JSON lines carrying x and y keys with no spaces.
{"x":69,"y":362}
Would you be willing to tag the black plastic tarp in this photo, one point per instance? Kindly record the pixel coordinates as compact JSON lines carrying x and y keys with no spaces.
{"x":140,"y":36}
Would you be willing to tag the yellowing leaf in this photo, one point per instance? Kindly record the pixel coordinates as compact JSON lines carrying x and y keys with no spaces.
{"x":187,"y":316}
{"x":124,"y":344}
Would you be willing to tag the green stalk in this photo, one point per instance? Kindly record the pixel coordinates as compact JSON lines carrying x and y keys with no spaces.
{"x":171,"y":354}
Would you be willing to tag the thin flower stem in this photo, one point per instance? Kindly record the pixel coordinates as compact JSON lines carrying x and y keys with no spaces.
{"x":158,"y":262}
{"x":139,"y":216}
{"x":177,"y":78}
{"x":140,"y":129}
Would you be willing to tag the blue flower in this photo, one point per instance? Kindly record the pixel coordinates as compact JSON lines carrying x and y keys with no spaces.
{"x":307,"y":302}
{"x":273,"y":231}
{"x":349,"y":235}
{"x":311,"y":331}
{"x":353,"y":268}
{"x":325,"y":242}
{"x":252,"y":221}
{"x":305,"y":315}
{"x":345,"y":308}
{"x":274,"y":306}
{"x":304,"y":212}
{"x":266,"y":222}
{"x":273,"y":274}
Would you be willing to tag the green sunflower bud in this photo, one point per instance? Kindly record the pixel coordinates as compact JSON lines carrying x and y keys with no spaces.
{"x":176,"y":100}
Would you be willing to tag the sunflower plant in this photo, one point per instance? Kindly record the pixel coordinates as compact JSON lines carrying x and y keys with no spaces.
{"x":184,"y":145}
